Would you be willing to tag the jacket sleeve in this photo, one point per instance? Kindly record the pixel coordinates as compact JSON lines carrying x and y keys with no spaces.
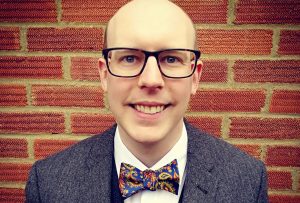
{"x":32,"y":187}
{"x":263,"y":190}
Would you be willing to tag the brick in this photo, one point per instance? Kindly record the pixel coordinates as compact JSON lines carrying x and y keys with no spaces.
{"x":294,"y":198}
{"x":65,"y":39}
{"x":28,"y":123}
{"x":267,"y":12}
{"x":285,"y":71}
{"x":283,"y":156}
{"x":279,"y":180}
{"x":101,"y":11}
{"x":16,"y":148}
{"x":284,"y":101}
{"x":39,"y":67}
{"x":289,"y":43}
{"x":253,"y":150}
{"x":91,"y":123}
{"x":11,"y":172}
{"x":44,"y":148}
{"x":85,"y":68}
{"x":211,"y":11}
{"x":28,"y":11}
{"x":57,"y":95}
{"x":239,"y":42}
{"x":214,"y":71}
{"x":12,"y":95}
{"x":270,"y":128}
{"x":9,"y":38}
{"x":228,"y":100}
{"x":211,"y":125}
{"x":12,"y":195}
{"x":90,"y":10}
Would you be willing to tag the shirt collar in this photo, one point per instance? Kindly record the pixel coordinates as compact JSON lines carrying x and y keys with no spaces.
{"x":179,"y":152}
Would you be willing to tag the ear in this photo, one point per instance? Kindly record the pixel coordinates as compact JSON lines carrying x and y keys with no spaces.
{"x":103,"y":72}
{"x":196,"y":77}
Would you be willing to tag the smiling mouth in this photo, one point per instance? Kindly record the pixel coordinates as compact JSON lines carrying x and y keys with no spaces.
{"x":149,"y":109}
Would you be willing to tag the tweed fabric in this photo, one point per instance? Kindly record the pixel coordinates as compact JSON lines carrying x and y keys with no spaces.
{"x":215,"y":172}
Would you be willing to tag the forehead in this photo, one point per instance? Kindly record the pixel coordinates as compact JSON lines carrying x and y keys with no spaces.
{"x":157,"y":27}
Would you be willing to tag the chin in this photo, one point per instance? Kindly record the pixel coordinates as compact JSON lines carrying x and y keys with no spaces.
{"x":147,"y":139}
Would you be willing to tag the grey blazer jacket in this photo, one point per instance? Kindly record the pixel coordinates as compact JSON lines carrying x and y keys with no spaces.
{"x":216,"y":172}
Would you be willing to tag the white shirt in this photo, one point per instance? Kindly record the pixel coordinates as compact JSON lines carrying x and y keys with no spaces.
{"x":179,"y":152}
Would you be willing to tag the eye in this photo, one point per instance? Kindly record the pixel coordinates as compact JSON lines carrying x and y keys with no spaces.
{"x":129,"y":59}
{"x":171,"y":59}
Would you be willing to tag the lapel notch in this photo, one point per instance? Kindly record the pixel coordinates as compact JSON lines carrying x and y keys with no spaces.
{"x":100,"y":163}
{"x":200,"y":183}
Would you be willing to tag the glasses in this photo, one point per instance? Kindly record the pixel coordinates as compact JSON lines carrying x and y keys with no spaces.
{"x":172,"y":63}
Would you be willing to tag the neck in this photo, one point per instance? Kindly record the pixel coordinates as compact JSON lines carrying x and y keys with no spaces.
{"x":150,"y":153}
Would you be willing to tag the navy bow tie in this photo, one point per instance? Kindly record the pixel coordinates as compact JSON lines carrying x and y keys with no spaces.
{"x":132,"y":180}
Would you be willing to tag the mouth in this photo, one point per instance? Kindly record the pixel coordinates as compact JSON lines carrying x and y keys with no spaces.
{"x":149,"y":109}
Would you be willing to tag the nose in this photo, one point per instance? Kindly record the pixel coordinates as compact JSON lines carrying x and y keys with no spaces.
{"x":151,"y":76}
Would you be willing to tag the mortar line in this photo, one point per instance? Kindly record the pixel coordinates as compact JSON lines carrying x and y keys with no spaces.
{"x":58,"y":10}
{"x":263,"y":154}
{"x":295,"y":180}
{"x":23,"y":39}
{"x":66,"y":67}
{"x":275,"y":42}
{"x":231,"y":8}
{"x":30,"y":146}
{"x":98,"y":54}
{"x":225,"y":127}
{"x":68,"y":129}
{"x":269,"y":93}
{"x":230,"y":73}
{"x":64,"y":24}
{"x":28,"y":94}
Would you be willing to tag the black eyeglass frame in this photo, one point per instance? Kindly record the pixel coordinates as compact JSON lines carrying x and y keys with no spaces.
{"x":147,"y":55}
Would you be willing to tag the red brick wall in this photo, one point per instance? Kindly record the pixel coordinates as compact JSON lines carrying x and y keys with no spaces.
{"x":50,"y":95}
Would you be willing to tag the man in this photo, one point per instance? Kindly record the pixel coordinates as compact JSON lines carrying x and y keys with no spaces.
{"x":149,"y":70}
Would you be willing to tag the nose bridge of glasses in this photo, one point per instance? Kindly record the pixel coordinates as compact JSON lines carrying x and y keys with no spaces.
{"x":151,"y":74}
{"x":154,"y":54}
{"x":151,"y":53}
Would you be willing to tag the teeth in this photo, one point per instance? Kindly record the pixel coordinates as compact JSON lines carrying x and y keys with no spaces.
{"x":149,"y":109}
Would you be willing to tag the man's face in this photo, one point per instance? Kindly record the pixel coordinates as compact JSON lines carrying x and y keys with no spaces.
{"x":149,"y":108}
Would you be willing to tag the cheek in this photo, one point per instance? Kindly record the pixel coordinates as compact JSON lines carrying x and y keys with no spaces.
{"x":182,"y":90}
{"x":181,"y":86}
{"x":118,"y":90}
{"x":116,"y":85}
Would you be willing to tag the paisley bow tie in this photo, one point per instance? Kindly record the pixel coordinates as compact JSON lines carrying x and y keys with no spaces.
{"x":133,"y":180}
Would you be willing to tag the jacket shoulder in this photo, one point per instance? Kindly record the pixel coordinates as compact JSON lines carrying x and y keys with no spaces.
{"x":74,"y":168}
{"x":219,"y":151}
{"x":81,"y":150}
{"x":240,"y":177}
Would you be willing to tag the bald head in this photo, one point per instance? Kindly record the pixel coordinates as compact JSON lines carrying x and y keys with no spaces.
{"x":144,"y":21}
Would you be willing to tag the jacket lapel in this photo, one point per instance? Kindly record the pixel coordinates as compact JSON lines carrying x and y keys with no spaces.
{"x":200,"y":183}
{"x":100,"y":163}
